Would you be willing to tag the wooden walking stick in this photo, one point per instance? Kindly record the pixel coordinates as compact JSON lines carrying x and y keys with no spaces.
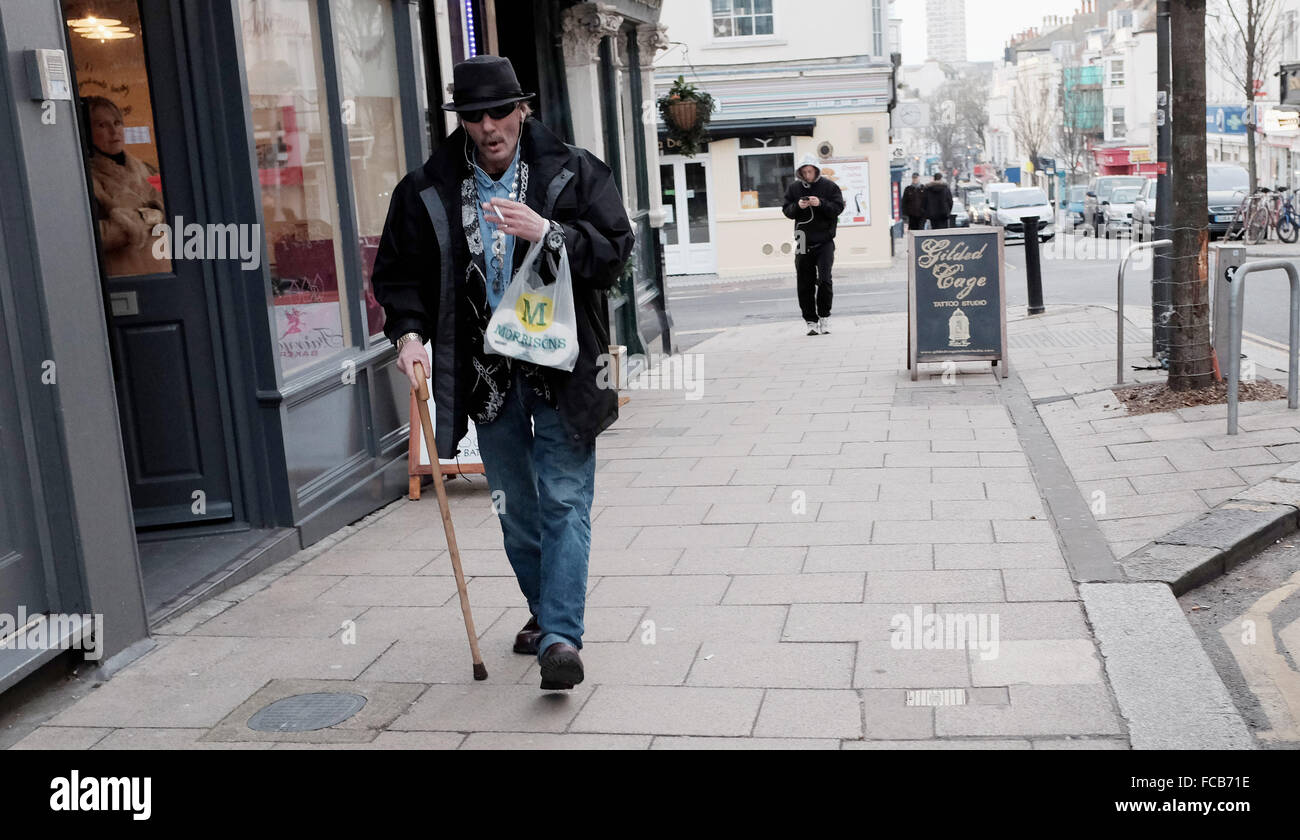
{"x":422,"y":402}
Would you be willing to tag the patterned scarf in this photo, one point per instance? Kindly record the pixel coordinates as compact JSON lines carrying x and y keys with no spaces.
{"x":492,"y":373}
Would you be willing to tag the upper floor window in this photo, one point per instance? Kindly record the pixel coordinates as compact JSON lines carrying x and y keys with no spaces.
{"x":1118,"y":129}
{"x":1117,"y":74}
{"x":734,"y":18}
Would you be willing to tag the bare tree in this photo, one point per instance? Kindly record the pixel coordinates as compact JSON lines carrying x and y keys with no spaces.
{"x":1244,"y":44}
{"x":1189,"y":334}
{"x":958,"y":116}
{"x":1032,"y":113}
{"x":972,"y":100}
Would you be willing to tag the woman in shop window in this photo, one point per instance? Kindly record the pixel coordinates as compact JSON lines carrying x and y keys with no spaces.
{"x":129,"y":205}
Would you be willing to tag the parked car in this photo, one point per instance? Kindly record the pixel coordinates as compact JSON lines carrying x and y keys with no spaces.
{"x":989,"y":216}
{"x":1074,"y":204}
{"x":1118,"y":210}
{"x":1226,"y":185}
{"x":1099,"y":191}
{"x":960,"y":218}
{"x":1014,"y":204}
{"x":1144,"y":211}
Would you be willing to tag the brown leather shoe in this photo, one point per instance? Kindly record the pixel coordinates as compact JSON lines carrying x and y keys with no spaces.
{"x":526,"y":639}
{"x":561,"y":667}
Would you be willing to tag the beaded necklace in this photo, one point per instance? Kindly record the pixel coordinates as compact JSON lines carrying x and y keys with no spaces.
{"x":518,"y":191}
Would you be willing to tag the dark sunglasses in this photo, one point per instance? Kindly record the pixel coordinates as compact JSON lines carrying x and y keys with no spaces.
{"x":500,"y":112}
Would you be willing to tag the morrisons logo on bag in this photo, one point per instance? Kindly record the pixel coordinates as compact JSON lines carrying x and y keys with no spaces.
{"x":534,"y":312}
{"x":545,"y":342}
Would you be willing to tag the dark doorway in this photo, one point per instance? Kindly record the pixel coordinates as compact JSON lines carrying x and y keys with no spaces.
{"x":167,"y":370}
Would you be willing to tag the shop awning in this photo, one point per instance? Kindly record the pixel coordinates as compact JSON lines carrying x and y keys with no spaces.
{"x":761,"y":127}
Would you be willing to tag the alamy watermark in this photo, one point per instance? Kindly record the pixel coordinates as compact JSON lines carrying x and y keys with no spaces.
{"x":945,"y":631}
{"x":193,"y":241}
{"x":53,"y":631}
{"x":658,"y":372}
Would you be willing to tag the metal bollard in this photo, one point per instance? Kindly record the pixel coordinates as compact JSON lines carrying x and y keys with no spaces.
{"x":1119,"y":302}
{"x":1235,"y":295}
{"x":1033,"y":268}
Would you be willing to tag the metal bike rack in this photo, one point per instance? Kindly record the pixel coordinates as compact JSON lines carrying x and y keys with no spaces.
{"x":1119,"y":303}
{"x":1238,"y":284}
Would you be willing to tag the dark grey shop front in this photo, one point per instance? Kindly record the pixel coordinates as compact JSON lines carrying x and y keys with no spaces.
{"x":168,"y":428}
{"x":194,"y":381}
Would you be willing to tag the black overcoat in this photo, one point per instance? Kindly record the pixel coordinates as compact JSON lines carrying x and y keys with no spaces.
{"x":420,"y":270}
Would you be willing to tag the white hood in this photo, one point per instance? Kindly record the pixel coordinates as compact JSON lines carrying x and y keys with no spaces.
{"x":809,"y":160}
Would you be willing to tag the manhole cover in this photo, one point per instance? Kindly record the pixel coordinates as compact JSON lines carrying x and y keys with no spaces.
{"x":306,"y":712}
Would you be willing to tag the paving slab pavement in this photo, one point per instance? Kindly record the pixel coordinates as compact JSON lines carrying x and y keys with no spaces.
{"x":815,"y":533}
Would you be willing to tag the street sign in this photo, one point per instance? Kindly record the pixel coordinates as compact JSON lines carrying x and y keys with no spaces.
{"x":1281,"y":122}
{"x":1289,"y":84}
{"x":956,"y":297}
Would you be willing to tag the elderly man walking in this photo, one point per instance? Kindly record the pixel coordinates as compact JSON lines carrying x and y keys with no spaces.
{"x":449,"y":248}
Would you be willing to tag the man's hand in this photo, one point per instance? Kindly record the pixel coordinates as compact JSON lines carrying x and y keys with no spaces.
{"x":413,"y":353}
{"x":815,"y":201}
{"x":803,"y":202}
{"x":515,"y":218}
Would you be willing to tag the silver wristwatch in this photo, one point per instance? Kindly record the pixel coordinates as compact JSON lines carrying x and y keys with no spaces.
{"x":405,"y":337}
{"x":554,"y":239}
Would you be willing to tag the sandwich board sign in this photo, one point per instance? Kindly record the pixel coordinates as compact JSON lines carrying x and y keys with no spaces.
{"x":956,"y":297}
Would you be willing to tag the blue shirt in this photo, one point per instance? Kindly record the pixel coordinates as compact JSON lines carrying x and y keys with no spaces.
{"x":487,"y":190}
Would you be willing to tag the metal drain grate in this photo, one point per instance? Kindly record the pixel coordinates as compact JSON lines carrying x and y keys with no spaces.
{"x":306,"y":712}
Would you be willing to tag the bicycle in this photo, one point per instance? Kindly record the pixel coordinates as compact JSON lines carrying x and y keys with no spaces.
{"x":1288,"y":221}
{"x":1252,"y":220}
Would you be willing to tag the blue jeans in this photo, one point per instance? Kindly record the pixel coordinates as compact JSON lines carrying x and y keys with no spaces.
{"x":547,"y":482}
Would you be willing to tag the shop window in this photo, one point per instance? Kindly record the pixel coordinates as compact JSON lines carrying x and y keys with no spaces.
{"x":113,"y":83}
{"x":739,"y":18}
{"x":766,"y":170}
{"x":630,"y":116}
{"x":372,"y":115}
{"x":295,"y":160}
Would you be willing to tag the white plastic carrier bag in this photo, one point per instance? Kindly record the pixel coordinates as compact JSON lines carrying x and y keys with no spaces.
{"x":535,"y":322}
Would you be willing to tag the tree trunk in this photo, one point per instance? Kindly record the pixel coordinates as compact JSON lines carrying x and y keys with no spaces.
{"x":1189,"y":336}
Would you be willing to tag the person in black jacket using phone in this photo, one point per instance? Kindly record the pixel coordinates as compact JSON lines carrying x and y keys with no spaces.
{"x":815,"y":203}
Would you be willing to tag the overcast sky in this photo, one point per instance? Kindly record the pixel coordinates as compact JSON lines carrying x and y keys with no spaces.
{"x":989,"y":24}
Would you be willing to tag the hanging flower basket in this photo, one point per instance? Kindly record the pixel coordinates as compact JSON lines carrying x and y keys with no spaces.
{"x":686,"y":111}
{"x":684,"y":114}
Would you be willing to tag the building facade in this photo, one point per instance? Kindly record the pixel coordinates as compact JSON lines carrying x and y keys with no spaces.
{"x":797,"y":86}
{"x":1229,"y":118}
{"x":945,"y":30}
{"x":195,"y":381}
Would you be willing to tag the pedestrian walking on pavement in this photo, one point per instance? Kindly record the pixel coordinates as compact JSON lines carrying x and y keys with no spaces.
{"x":938,"y":202}
{"x":499,"y":178}
{"x":815,"y":204}
{"x":914,"y":203}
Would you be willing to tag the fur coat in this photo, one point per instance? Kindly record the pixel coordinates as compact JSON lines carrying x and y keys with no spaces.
{"x":125,"y":232}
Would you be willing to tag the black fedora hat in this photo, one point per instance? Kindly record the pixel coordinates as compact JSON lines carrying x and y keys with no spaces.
{"x":484,"y":81}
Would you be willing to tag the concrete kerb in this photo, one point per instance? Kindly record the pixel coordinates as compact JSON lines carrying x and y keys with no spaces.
{"x":1222,"y":538}
{"x":1168,"y":691}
